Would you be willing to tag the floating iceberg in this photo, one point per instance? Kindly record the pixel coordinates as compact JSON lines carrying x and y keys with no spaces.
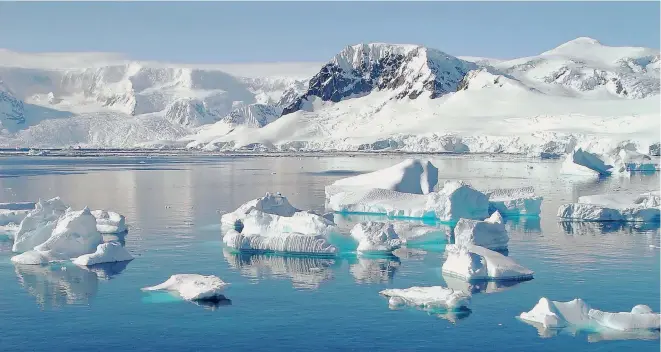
{"x":257,"y":222}
{"x":109,"y":221}
{"x":434,"y":297}
{"x":375,"y":237}
{"x":105,"y":253}
{"x":470,"y":262}
{"x":74,"y":235}
{"x":631,"y":160}
{"x":641,"y":317}
{"x":38,"y":224}
{"x":192,"y":287}
{"x":410,"y":176}
{"x":279,"y":242}
{"x":454,"y":201}
{"x":489,"y":233}
{"x":275,"y":204}
{"x":582,"y":163}
{"x":614,"y":207}
{"x":514,"y":201}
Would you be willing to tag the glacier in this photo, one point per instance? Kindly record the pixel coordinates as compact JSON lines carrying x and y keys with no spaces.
{"x":375,"y":237}
{"x":109,"y":252}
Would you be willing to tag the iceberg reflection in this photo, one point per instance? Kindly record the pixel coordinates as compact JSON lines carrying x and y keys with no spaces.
{"x":57,"y":284}
{"x":597,"y":335}
{"x":481,"y":286}
{"x":585,"y":228}
{"x":368,"y":269}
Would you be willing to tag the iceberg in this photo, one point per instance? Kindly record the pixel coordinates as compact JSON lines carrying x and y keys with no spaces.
{"x":489,"y":233}
{"x":279,"y":242}
{"x":109,"y":221}
{"x":582,"y":163}
{"x":631,"y":160}
{"x":275,"y":204}
{"x":514,"y":201}
{"x":192,"y":287}
{"x":74,"y":235}
{"x":641,"y":317}
{"x":109,"y":252}
{"x":454,"y":201}
{"x":375,"y":237}
{"x":410,"y":176}
{"x":412,"y":233}
{"x":38,"y":224}
{"x":433,"y":297}
{"x":614,"y":207}
{"x":470,"y":262}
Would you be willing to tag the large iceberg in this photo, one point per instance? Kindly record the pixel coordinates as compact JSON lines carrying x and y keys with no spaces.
{"x":38,"y":224}
{"x":410,"y":176}
{"x":490,"y":233}
{"x":614,"y":207}
{"x":583,"y":163}
{"x":279,"y":242}
{"x":109,"y":221}
{"x":514,"y":201}
{"x":275,"y":204}
{"x":375,"y":237}
{"x":109,"y":252}
{"x":434,"y":297}
{"x":257,"y":222}
{"x":470,"y":262}
{"x":192,"y":287}
{"x":454,"y":201}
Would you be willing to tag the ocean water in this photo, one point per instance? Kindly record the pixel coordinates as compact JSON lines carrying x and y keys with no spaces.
{"x":172,"y":205}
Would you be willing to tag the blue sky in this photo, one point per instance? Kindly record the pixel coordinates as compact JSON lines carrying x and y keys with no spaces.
{"x":219,"y":32}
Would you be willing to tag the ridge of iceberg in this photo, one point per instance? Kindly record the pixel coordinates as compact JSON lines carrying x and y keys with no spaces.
{"x":410,"y":176}
{"x":375,"y":237}
{"x":109,"y":252}
{"x":490,"y":233}
{"x":192,"y":287}
{"x":433,"y":297}
{"x":623,"y":207}
{"x":270,"y":203}
{"x":470,"y":262}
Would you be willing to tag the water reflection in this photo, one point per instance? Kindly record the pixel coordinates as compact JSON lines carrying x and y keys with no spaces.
{"x":452,"y":316}
{"x":215,"y":303}
{"x":479,"y":286}
{"x":525,"y":224}
{"x":582,"y":228}
{"x":595,"y":335}
{"x":304,"y":272}
{"x":374,"y":269}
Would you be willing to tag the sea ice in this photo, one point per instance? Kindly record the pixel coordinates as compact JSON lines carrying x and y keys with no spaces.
{"x":289,"y":242}
{"x":433,"y":297}
{"x":470,"y":262}
{"x":614,"y":207}
{"x":192,"y":287}
{"x":109,"y":221}
{"x":275,"y":204}
{"x":555,"y":315}
{"x":375,"y":237}
{"x":489,"y":233}
{"x":109,"y":252}
{"x":582,"y":163}
{"x":454,"y":201}
{"x":410,"y":176}
{"x":38,"y":224}
{"x":74,"y":235}
{"x":514,"y":201}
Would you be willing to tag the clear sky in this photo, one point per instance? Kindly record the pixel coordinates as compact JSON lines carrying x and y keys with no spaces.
{"x":223,"y":32}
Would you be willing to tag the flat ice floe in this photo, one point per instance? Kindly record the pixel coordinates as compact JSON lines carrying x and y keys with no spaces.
{"x":455,"y":200}
{"x":433,"y":297}
{"x":614,"y":207}
{"x":470,"y":262}
{"x":410,"y":176}
{"x":105,"y":253}
{"x":375,"y":237}
{"x":490,"y":233}
{"x":514,"y":201}
{"x":192,"y":287}
{"x":583,"y":163}
{"x":109,"y":221}
{"x":577,"y":315}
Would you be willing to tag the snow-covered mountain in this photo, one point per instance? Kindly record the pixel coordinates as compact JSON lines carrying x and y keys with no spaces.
{"x":367,"y":97}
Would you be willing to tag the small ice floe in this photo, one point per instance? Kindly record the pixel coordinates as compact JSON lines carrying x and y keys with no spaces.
{"x":375,"y":237}
{"x":514,"y":201}
{"x":618,"y":206}
{"x":105,"y":253}
{"x":109,"y":221}
{"x":192,"y":287}
{"x":577,"y":315}
{"x":490,"y":233}
{"x":470,"y":262}
{"x":429,"y":298}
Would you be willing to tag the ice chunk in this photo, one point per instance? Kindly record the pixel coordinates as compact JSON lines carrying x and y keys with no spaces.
{"x":433,"y":297}
{"x":375,"y":237}
{"x":582,"y":163}
{"x":18,"y":206}
{"x":109,"y":221}
{"x":74,"y":235}
{"x":555,"y":315}
{"x":454,"y":201}
{"x":192,"y":287}
{"x":105,"y":253}
{"x":614,"y":207}
{"x":470,"y":262}
{"x":413,"y":233}
{"x":514,"y":201}
{"x":489,"y":233}
{"x":640,"y":318}
{"x":275,"y":204}
{"x":38,"y":224}
{"x":35,"y":257}
{"x":289,"y":242}
{"x":410,"y":176}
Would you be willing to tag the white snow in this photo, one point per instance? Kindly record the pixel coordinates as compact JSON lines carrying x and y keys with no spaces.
{"x":192,"y":287}
{"x":578,"y":315}
{"x":454,"y":201}
{"x":514,"y":201}
{"x":275,"y":204}
{"x":38,"y":224}
{"x":109,"y":221}
{"x":489,"y":233}
{"x":433,"y":297}
{"x":257,"y":222}
{"x":619,"y":206}
{"x":109,"y":252}
{"x":375,"y":237}
{"x":34,"y":257}
{"x":410,"y":176}
{"x":470,"y":262}
{"x":74,"y":235}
